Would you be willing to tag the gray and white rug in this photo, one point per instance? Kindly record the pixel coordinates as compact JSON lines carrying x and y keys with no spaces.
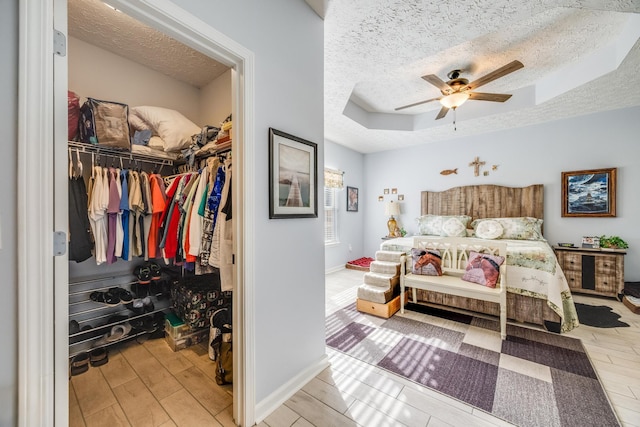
{"x":533,"y":378}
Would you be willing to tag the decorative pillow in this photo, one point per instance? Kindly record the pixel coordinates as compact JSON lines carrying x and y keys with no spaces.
{"x":483,"y":269}
{"x":488,"y":229}
{"x":443,"y":225}
{"x":426,"y":262}
{"x":517,"y":228}
{"x":174,"y":128}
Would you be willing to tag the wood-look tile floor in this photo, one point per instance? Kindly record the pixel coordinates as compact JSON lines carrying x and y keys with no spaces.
{"x":152,"y":386}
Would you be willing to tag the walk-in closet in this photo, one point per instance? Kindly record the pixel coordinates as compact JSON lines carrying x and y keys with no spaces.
{"x":150,"y":218}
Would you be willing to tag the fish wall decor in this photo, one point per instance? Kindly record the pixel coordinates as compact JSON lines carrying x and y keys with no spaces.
{"x":449,"y":171}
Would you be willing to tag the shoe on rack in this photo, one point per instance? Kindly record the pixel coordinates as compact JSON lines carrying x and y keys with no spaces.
{"x":124,"y":295}
{"x":143,"y":273}
{"x":156,"y":271}
{"x":116,"y":333}
{"x":136,"y":306}
{"x":108,"y":297}
{"x":74,"y":327}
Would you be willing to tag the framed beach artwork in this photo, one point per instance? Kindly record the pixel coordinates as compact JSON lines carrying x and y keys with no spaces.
{"x":293,"y":180}
{"x":589,"y":193}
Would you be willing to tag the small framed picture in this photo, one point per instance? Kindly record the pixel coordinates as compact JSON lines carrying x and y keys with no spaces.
{"x":394,"y":191}
{"x":590,"y":242}
{"x":386,"y":191}
{"x":352,"y":199}
{"x":400,"y":197}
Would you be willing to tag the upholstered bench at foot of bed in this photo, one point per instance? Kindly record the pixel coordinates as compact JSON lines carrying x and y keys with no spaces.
{"x":455,"y":255}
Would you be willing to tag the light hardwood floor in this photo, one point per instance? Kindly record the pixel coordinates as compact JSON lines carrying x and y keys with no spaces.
{"x":149,"y":385}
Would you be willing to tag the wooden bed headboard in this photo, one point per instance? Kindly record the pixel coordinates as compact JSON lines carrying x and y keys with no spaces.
{"x":485,"y":201}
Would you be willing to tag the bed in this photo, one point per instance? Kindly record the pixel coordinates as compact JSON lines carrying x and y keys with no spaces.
{"x":537,"y":291}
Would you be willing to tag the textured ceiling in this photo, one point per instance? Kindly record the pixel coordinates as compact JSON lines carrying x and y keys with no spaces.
{"x":579,"y":57}
{"x":94,"y":22}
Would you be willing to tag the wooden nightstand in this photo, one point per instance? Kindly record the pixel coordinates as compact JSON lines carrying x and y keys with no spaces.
{"x":593,"y":271}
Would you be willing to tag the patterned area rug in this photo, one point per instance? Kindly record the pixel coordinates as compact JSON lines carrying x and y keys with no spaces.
{"x":533,"y":378}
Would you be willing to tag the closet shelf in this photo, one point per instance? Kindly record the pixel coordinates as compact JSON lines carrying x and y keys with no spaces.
{"x":98,"y":279}
{"x":105,"y":151}
{"x":104,"y":288}
{"x":87,"y":350}
{"x":109,"y":325}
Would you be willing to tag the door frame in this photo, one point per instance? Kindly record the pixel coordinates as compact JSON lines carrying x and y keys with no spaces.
{"x":42,"y":202}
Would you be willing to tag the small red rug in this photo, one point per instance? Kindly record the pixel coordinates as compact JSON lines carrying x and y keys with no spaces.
{"x":360,"y":264}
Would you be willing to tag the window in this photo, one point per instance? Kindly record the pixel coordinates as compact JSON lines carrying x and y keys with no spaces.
{"x":330,"y":216}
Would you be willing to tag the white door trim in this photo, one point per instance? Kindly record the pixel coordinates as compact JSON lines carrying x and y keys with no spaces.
{"x":36,"y":297}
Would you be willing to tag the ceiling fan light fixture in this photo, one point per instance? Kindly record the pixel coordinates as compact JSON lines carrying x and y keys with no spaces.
{"x":454,"y":100}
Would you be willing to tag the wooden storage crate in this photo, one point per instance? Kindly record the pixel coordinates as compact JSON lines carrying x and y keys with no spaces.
{"x":381,"y":310}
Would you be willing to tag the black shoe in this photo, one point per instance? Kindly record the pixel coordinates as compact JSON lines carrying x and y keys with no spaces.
{"x":143,"y":273}
{"x":98,"y":357}
{"x":155,"y":271}
{"x":80,"y":364}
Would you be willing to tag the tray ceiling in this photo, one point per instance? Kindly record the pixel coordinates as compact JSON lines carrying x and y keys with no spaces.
{"x":579,"y":58}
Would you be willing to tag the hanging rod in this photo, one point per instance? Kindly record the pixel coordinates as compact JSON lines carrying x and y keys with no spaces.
{"x":105,"y":151}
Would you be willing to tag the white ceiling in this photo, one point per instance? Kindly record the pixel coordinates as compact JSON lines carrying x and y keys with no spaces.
{"x":580,"y":57}
{"x":94,"y":22}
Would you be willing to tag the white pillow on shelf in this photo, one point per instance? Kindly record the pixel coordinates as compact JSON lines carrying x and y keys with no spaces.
{"x":170,"y":125}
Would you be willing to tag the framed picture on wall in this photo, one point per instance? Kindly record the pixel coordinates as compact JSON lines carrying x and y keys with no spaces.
{"x":352,"y":199}
{"x":293,"y":180}
{"x":589,"y":193}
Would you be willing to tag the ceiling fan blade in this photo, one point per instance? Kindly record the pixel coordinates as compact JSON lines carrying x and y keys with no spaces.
{"x":496,"y":74}
{"x":495,"y":97}
{"x":439,"y":83}
{"x":443,"y":112}
{"x":417,"y":103}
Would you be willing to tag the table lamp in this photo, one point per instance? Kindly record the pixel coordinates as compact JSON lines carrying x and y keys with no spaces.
{"x":391,"y":208}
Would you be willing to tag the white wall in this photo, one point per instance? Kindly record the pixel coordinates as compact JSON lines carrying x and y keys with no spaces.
{"x":531,"y":155}
{"x":215,"y":100}
{"x":287,"y":39}
{"x":8,"y":219}
{"x":350,"y":224}
{"x":97,"y":73}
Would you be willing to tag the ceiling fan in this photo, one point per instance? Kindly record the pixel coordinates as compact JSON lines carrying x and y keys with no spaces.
{"x":457,"y":90}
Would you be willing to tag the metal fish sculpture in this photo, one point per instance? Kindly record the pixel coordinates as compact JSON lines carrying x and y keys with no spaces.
{"x":449,"y":171}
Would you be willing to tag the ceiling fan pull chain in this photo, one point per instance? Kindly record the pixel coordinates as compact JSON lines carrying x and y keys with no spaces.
{"x":454,"y":119}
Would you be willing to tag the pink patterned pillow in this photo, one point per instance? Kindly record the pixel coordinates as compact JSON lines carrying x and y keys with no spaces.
{"x":483,"y":269}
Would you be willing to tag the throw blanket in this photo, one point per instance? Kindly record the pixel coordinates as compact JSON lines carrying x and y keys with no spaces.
{"x":532,"y":270}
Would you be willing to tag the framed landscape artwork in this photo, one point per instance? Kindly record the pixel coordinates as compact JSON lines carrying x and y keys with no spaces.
{"x":293,"y":181}
{"x":589,"y":193}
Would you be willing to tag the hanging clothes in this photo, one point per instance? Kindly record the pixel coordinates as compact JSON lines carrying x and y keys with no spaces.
{"x":80,"y":243}
{"x":137,"y":208}
{"x":224,"y":233}
{"x":145,"y":188}
{"x":124,"y":214}
{"x":158,"y":201}
{"x":98,"y":213}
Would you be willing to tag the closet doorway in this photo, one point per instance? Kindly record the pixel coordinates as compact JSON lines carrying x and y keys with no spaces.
{"x":43,"y":398}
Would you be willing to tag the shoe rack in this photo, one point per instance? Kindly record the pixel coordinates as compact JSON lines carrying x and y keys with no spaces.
{"x":94,"y":320}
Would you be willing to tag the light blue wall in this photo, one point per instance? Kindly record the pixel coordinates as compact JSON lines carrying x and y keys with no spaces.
{"x":530,"y":155}
{"x":8,"y":225}
{"x":287,"y":38}
{"x":350,"y":224}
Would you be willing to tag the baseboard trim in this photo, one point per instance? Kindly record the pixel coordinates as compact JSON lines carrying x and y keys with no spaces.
{"x":334,"y":269}
{"x":266,"y":406}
